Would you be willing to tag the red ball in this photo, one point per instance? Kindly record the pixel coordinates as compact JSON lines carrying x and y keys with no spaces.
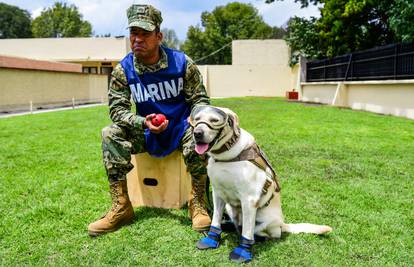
{"x":158,"y":119}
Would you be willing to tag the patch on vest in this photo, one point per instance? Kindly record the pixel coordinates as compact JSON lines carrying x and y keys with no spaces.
{"x":156,"y":91}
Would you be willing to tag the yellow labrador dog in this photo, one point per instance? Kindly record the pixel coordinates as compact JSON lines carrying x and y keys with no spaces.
{"x":243,"y":183}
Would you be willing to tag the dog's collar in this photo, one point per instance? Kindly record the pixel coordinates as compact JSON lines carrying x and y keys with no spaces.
{"x":250,"y":153}
{"x":235,"y":137}
{"x":226,"y":146}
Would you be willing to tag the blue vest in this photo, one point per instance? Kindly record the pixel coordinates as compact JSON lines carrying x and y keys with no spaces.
{"x":161,"y":92}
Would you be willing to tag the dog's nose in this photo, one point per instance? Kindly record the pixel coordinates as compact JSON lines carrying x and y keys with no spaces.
{"x":198,"y":134}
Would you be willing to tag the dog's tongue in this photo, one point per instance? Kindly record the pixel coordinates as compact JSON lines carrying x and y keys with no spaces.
{"x":201,"y":148}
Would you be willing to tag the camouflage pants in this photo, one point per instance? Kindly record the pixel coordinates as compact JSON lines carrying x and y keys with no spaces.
{"x":119,"y":143}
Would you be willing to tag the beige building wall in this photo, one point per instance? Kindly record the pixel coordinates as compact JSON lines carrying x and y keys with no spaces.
{"x":395,"y":97}
{"x":295,"y":77}
{"x":260,"y":52}
{"x":48,"y":88}
{"x":246,"y":80}
{"x":260,"y":68}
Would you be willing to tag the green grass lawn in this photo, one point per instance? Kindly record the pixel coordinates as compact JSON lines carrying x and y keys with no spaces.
{"x":351,"y":170}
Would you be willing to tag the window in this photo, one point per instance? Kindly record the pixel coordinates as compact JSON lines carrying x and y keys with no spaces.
{"x":106,"y":70}
{"x":93,"y":70}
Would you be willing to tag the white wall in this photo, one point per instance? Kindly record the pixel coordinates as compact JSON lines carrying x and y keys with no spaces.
{"x":260,"y":52}
{"x":247,"y":80}
{"x":260,"y":68}
{"x":48,"y":88}
{"x":395,"y":97}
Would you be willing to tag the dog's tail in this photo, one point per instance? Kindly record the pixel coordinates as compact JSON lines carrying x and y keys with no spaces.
{"x":296,"y":228}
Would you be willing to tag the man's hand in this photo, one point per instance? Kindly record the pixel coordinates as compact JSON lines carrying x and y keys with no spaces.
{"x":152,"y":127}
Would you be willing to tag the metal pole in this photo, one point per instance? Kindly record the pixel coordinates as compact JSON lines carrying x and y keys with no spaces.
{"x":395,"y":61}
{"x":31,"y":107}
{"x":347,"y":68}
{"x":73,"y":102}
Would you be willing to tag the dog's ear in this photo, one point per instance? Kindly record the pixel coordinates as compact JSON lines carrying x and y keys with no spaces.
{"x":233,"y":119}
{"x":234,"y":122}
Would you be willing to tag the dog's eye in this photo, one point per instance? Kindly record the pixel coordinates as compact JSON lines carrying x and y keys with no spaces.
{"x":214,"y":120}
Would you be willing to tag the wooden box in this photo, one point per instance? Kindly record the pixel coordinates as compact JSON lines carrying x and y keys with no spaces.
{"x":158,"y":182}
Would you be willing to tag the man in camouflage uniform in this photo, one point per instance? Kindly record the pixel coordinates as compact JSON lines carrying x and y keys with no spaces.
{"x":159,"y":80}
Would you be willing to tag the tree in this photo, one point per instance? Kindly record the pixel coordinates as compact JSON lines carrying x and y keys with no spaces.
{"x":303,"y":39}
{"x":170,"y":38}
{"x":103,"y":35}
{"x":350,"y":25}
{"x":278,"y":32}
{"x":14,"y":22}
{"x":401,"y":17}
{"x":61,"y":21}
{"x":304,"y":3}
{"x":212,"y":40}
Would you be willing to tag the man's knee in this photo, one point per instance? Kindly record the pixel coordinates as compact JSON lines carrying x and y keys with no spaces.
{"x":195,"y":163}
{"x":111,"y":131}
{"x":116,"y":152}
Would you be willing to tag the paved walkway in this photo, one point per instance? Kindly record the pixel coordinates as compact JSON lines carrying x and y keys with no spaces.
{"x":7,"y":115}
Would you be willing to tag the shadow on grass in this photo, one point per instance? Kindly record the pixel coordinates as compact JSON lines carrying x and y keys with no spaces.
{"x":144,"y":213}
{"x":232,"y":236}
{"x":233,"y":239}
{"x":263,"y":246}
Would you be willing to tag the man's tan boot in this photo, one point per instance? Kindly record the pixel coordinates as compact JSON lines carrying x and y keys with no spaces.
{"x":197,"y":204}
{"x":120,"y":214}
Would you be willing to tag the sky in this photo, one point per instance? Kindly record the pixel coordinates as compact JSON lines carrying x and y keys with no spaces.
{"x":108,"y":16}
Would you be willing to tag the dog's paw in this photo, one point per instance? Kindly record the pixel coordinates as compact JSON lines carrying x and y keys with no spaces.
{"x":259,"y":238}
{"x":212,"y":240}
{"x":243,"y":253}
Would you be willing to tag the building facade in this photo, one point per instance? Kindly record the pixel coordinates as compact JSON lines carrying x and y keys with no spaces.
{"x":96,"y":55}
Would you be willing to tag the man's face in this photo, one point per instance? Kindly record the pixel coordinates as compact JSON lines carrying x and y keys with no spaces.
{"x":144,"y":44}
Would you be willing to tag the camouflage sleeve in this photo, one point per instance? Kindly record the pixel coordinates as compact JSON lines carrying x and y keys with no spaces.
{"x":194,"y":90}
{"x":119,"y":97}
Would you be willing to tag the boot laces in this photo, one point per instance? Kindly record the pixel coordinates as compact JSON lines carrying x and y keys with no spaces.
{"x":198,"y":197}
{"x":115,"y":197}
{"x":199,"y":209}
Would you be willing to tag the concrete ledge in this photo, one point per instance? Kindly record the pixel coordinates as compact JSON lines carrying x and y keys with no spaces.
{"x":362,"y":82}
{"x":394,"y":97}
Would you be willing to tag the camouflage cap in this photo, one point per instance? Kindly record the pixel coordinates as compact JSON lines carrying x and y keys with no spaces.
{"x":146,"y":17}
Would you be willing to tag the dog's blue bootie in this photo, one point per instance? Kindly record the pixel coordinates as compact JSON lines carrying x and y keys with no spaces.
{"x":212,"y":240}
{"x":243,"y":253}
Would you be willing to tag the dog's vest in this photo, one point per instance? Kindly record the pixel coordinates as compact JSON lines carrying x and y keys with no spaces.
{"x":161,"y":92}
{"x":257,"y":156}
